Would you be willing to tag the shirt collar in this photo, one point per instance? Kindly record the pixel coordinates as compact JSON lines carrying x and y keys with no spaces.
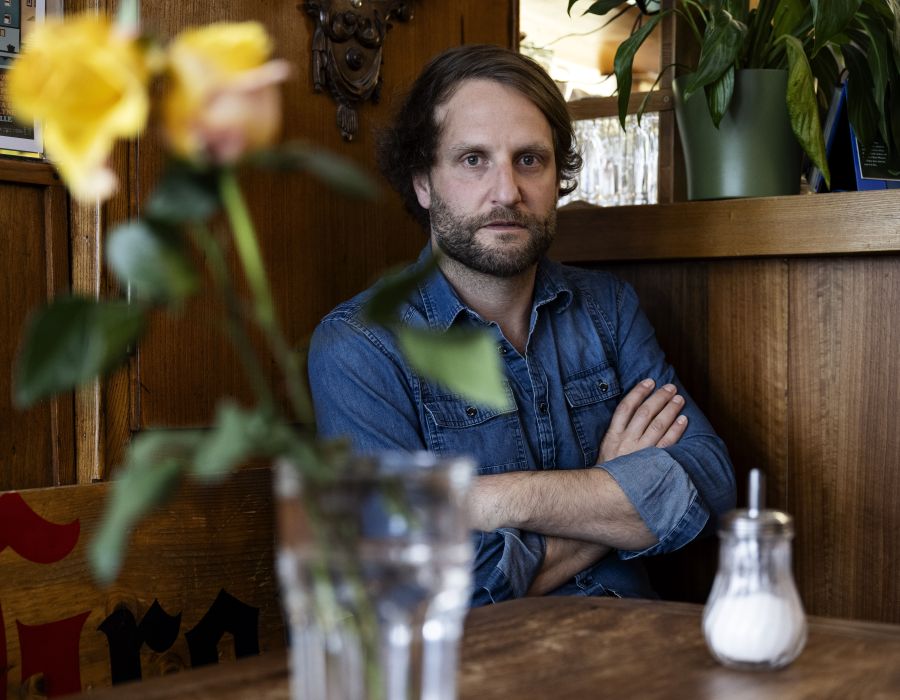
{"x":442,"y":306}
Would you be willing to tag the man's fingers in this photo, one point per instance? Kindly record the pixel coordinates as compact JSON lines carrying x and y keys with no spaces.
{"x":627,"y":406}
{"x":664,"y":419}
{"x":674,"y":433}
{"x":643,"y":420}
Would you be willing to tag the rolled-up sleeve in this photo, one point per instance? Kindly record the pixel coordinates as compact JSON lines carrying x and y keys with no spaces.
{"x":681,"y":490}
{"x":663,"y":495}
{"x":506,"y":562}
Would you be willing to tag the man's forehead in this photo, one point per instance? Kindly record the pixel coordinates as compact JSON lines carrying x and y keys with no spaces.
{"x":478,"y":108}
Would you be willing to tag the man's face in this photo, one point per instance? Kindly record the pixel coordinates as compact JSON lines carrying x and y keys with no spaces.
{"x":492,"y":191}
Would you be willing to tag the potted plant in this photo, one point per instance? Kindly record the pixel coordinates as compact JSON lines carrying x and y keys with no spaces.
{"x":91,"y":82}
{"x":814,"y":42}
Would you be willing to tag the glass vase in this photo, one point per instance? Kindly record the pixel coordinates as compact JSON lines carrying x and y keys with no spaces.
{"x":375,"y":569}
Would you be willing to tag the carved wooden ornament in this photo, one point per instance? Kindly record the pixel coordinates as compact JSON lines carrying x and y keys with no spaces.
{"x":346,"y":51}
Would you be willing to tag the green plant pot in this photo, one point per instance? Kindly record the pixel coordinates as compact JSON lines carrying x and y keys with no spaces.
{"x":753,"y":153}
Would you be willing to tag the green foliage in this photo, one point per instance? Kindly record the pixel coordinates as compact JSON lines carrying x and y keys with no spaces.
{"x":151,"y":262}
{"x":393,"y":289}
{"x":71,"y":341}
{"x":155,"y":462}
{"x":463,"y":360}
{"x":185,"y":193}
{"x":809,"y":38}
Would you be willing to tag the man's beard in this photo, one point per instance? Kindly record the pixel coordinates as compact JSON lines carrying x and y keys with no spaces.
{"x":455,"y":236}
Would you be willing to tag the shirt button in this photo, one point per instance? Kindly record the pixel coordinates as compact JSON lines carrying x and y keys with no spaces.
{"x":501,"y":349}
{"x":603,"y":386}
{"x":543,"y":407}
{"x":471,"y":411}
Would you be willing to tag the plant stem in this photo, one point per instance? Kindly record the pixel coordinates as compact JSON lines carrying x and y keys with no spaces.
{"x":250,"y":256}
{"x":247,"y":248}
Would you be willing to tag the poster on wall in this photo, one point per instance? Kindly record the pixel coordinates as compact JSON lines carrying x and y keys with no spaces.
{"x":17,"y":19}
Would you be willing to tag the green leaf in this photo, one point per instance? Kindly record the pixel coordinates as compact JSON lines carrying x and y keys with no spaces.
{"x":237,"y":436}
{"x":394,"y":289}
{"x":802,"y":107}
{"x":718,"y":96}
{"x":462,"y":360}
{"x":860,"y":105}
{"x":832,"y":17}
{"x":624,"y":61}
{"x":71,"y":341}
{"x":184,"y":194}
{"x":601,"y":7}
{"x":879,"y":59}
{"x":788,"y":17}
{"x":153,"y":465}
{"x":722,"y":43}
{"x":338,"y":172}
{"x":152,"y":260}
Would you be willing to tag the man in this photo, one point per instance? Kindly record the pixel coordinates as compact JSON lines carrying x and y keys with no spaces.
{"x":600,"y":457}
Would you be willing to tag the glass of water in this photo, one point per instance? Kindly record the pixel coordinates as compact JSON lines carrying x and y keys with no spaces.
{"x":375,"y":569}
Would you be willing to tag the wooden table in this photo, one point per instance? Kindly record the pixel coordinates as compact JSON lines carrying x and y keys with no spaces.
{"x":563,"y":648}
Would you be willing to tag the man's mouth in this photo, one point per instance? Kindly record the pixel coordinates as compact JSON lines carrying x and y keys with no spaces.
{"x":505,"y":224}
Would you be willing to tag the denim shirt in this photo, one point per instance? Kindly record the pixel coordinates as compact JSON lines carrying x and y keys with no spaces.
{"x":588,"y":345}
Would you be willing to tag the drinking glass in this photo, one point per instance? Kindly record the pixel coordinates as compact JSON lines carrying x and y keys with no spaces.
{"x":375,"y":568}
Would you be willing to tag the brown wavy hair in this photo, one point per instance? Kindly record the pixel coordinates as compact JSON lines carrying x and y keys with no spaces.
{"x":407,"y":147}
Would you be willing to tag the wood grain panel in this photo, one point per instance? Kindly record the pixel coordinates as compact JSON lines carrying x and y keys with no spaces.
{"x":675,"y":298}
{"x":844,"y":443}
{"x":763,"y":226}
{"x":35,"y":445}
{"x":748,"y":369}
{"x":210,"y":538}
{"x":320,"y":247}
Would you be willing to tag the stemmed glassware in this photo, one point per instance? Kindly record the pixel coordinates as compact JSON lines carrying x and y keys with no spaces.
{"x":620,"y":166}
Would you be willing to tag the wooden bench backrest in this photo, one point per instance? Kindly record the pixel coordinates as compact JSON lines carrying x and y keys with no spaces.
{"x":197,"y":586}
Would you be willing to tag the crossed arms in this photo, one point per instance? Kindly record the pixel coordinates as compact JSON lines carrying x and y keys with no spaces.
{"x":583,"y":513}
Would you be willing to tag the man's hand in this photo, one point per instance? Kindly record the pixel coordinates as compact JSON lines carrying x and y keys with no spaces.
{"x":644,"y":418}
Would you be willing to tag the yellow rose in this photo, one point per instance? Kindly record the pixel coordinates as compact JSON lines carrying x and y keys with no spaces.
{"x":87,"y":84}
{"x":223,"y":100}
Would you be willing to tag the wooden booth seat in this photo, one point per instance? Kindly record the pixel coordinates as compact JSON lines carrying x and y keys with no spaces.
{"x":197,"y":587}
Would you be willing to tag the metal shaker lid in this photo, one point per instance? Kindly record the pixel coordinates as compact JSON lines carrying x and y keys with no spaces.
{"x":744,"y":522}
{"x":756,"y":520}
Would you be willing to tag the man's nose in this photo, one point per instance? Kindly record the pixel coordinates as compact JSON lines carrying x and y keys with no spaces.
{"x":507,"y":191}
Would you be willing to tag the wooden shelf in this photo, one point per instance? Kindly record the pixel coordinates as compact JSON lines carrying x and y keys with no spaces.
{"x":27,"y":171}
{"x":824,"y":224}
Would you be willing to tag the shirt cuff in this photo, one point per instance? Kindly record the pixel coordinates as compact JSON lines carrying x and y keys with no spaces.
{"x":663,"y":495}
{"x":506,"y":562}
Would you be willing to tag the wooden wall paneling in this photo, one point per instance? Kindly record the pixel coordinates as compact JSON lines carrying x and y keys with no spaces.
{"x":86,"y":223}
{"x":63,"y":429}
{"x":844,"y":442}
{"x":748,"y":369}
{"x":321,"y":248}
{"x":37,"y":444}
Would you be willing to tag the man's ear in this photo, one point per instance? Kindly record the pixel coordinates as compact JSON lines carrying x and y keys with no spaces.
{"x":422,"y":186}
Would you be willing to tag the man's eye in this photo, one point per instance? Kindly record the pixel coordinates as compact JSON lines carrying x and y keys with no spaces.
{"x":530,"y":160}
{"x":473,"y":160}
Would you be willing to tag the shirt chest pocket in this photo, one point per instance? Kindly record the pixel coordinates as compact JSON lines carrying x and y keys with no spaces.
{"x":492,"y":437}
{"x":592,"y":396}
